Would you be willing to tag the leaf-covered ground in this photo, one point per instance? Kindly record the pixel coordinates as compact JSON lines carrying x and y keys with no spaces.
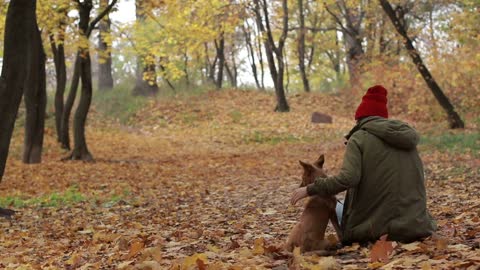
{"x":204,"y":183}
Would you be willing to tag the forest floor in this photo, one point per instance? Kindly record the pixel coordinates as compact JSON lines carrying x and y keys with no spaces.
{"x":205,"y":182}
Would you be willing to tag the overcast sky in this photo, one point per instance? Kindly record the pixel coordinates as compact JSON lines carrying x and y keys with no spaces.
{"x":125,"y":11}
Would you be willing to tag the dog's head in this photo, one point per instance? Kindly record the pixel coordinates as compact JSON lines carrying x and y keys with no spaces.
{"x":312,"y":171}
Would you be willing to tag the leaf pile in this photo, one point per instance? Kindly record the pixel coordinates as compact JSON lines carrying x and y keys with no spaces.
{"x":205,"y":184}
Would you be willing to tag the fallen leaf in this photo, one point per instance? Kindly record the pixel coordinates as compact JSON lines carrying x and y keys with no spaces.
{"x":135,"y":248}
{"x":381,"y":250}
{"x":148,"y":265}
{"x":426,"y":266}
{"x":88,"y":231}
{"x":104,"y":237}
{"x":193,"y":260}
{"x":441,"y":243}
{"x":332,"y":239}
{"x":154,"y":253}
{"x":73,"y":260}
{"x":328,"y":263}
{"x":375,"y":265}
{"x":258,"y":246}
{"x":411,"y":246}
{"x":124,"y":265}
{"x":213,"y":248}
{"x":233,"y":244}
{"x":201,"y":264}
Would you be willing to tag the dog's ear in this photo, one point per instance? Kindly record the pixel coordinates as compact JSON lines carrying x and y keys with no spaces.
{"x":306,"y":167}
{"x":320,"y":161}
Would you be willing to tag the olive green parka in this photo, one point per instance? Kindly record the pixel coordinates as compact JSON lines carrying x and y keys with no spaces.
{"x":384,"y":178}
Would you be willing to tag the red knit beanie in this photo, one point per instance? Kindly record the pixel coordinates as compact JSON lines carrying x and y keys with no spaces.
{"x":374,"y":103}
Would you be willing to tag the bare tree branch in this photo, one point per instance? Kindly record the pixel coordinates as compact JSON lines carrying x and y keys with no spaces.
{"x":314,"y":29}
{"x":99,"y":17}
{"x":339,"y":22}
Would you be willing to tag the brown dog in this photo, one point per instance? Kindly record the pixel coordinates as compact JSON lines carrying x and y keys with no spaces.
{"x":309,"y":232}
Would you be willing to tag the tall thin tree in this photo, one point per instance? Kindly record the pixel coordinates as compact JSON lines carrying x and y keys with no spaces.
{"x":83,"y":71}
{"x":35,"y":95}
{"x":20,"y":29}
{"x":105,"y":77}
{"x":274,"y":51}
{"x":251,"y":52}
{"x":454,"y":119}
{"x":350,"y":22}
{"x":146,"y":76}
{"x":220,"y":50}
{"x":58,"y":50}
{"x":301,"y":46}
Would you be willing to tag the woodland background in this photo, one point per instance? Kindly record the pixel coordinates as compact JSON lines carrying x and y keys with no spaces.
{"x":190,"y":121}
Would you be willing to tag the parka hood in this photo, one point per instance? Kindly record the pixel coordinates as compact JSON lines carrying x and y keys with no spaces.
{"x":394,"y":132}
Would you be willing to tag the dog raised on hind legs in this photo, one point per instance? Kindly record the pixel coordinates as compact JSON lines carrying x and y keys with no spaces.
{"x":309,"y":232}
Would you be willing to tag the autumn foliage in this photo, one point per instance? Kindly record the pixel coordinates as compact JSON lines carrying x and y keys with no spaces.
{"x":197,"y":178}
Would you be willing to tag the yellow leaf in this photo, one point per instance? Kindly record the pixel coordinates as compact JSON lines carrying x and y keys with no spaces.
{"x":135,"y":248}
{"x":154,"y":253}
{"x":104,"y":237}
{"x":192,"y":260}
{"x":375,"y":265}
{"x":216,"y":266}
{"x":124,"y":265}
{"x":297,"y":258}
{"x":213,"y":248}
{"x":426,"y":266}
{"x":148,"y":265}
{"x":328,"y":263}
{"x":74,"y":259}
{"x":258,"y":246}
{"x":246,"y":253}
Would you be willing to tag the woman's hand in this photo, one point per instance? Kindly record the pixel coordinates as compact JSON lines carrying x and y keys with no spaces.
{"x":298,"y":194}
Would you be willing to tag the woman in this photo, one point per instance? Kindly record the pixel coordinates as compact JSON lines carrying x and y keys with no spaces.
{"x":383,"y":175}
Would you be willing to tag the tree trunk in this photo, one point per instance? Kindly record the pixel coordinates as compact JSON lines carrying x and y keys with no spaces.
{"x":20,"y":26}
{"x":232,"y":71}
{"x":334,"y":57}
{"x":287,"y":73}
{"x":83,"y":64}
{"x":271,"y":49}
{"x":251,"y":54}
{"x":105,"y":78}
{"x":84,"y":71}
{"x":354,"y":55}
{"x":146,"y":76}
{"x":210,"y":66}
{"x":382,"y":41}
{"x":301,"y":47}
{"x":185,"y":70}
{"x":453,"y":118}
{"x":261,"y":62}
{"x":61,"y":79}
{"x":35,"y":101}
{"x":282,"y":105}
{"x":351,"y":25}
{"x":220,"y":49}
{"x":80,"y":150}
{"x":65,"y":125}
